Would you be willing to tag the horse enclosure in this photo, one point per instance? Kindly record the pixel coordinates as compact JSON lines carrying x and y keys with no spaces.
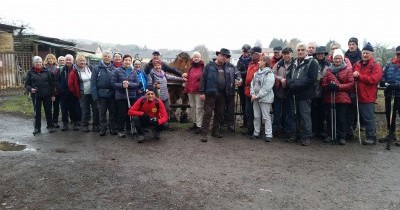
{"x":13,"y":68}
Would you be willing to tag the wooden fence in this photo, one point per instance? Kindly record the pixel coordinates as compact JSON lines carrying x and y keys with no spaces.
{"x":13,"y":68}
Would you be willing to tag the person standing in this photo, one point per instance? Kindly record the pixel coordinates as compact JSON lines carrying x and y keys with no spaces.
{"x":262,"y":97}
{"x":391,"y":82}
{"x":242,"y":65}
{"x":40,"y":84}
{"x":79,"y":86}
{"x":50,"y":62}
{"x":215,"y":85}
{"x":337,"y":82}
{"x":142,"y":78}
{"x":283,"y":105}
{"x":125,"y":84}
{"x":311,"y":48}
{"x":301,"y":83}
{"x":192,"y":89}
{"x":253,"y":67}
{"x":367,"y":74}
{"x":103,"y":93}
{"x":277,"y":55}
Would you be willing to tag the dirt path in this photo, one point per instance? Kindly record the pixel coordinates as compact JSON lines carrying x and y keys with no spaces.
{"x":74,"y":170}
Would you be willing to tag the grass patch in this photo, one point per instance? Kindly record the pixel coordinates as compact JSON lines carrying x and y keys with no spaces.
{"x":19,"y":104}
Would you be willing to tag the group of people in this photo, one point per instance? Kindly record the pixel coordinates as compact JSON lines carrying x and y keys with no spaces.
{"x":319,"y":94}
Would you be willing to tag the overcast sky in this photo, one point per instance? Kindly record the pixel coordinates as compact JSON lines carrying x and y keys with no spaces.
{"x":178,"y":24}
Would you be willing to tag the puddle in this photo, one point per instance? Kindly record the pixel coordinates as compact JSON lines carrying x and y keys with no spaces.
{"x":9,"y":146}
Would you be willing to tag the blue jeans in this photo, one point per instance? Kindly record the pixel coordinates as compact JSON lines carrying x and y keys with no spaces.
{"x":303,"y":118}
{"x":283,"y":111}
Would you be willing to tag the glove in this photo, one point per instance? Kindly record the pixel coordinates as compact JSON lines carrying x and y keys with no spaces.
{"x":154,"y":121}
{"x":333,"y":87}
{"x":146,"y":117}
{"x":140,"y":85}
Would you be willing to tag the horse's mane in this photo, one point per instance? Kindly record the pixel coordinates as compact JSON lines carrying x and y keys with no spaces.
{"x":182,"y":61}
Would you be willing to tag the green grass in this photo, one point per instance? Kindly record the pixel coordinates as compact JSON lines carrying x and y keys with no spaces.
{"x":20,"y":105}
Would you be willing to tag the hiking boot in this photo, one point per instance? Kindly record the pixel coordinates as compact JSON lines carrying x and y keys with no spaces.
{"x":197,"y":131}
{"x":76,"y":127}
{"x":203,"y":138}
{"x":36,"y":131}
{"x":85,"y":129}
{"x":51,"y":129}
{"x":328,"y":140}
{"x":193,"y":128}
{"x":342,"y":141}
{"x":369,"y":142}
{"x":113,"y":132}
{"x":65,"y":127}
{"x":254,"y":137}
{"x":56,"y":125}
{"x":121,"y":135}
{"x":216,"y":135}
{"x":397,"y":143}
{"x":268,"y":139}
{"x":306,"y":142}
{"x":156,"y":135}
{"x":291,"y":139}
{"x":95,"y":128}
{"x":102,"y":132}
{"x":140,"y":139}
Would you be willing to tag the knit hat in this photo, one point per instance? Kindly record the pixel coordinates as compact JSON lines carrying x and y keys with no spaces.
{"x":37,"y":59}
{"x":353,"y":39}
{"x":368,"y":47}
{"x":338,"y":52}
{"x":156,"y":53}
{"x":398,"y":49}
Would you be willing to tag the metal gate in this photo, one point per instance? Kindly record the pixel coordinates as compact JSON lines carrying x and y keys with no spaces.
{"x":13,"y":68}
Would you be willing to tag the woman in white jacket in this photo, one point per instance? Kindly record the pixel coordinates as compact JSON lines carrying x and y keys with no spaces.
{"x":262,"y":97}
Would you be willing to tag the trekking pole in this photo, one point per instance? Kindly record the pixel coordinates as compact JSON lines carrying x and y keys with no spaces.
{"x":334,"y":118}
{"x":332,"y":137}
{"x":358,"y":113}
{"x":392,"y":112}
{"x":34,"y":98}
{"x":132,"y":123}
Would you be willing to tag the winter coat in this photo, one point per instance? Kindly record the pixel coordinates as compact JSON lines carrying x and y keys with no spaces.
{"x":242,"y":65}
{"x":301,"y":79}
{"x":262,"y":84}
{"x":63,"y":80}
{"x":391,"y":75}
{"x":55,"y":70}
{"x":353,"y":56}
{"x":194,"y":77}
{"x":253,"y":68}
{"x":118,"y":76}
{"x":323,"y":66}
{"x":209,"y":80}
{"x":275,"y":60}
{"x":100,"y":83}
{"x":343,"y":77}
{"x":280,"y":71}
{"x":75,"y":83}
{"x":42,"y":81}
{"x":150,"y":108}
{"x":370,"y":74}
{"x":161,"y":78}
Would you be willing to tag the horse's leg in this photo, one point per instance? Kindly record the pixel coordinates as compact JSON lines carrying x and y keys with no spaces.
{"x":172,"y":98}
{"x":185,"y":101}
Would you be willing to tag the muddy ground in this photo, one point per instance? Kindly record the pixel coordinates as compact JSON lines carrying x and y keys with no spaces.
{"x":75,"y":170}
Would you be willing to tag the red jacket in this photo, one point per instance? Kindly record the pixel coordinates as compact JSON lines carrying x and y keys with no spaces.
{"x":345,"y":80}
{"x":73,"y":83}
{"x":149,"y":107}
{"x":253,"y":68}
{"x":370,"y":75}
{"x":193,"y":79}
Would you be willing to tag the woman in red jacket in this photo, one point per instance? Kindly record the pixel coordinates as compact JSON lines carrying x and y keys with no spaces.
{"x":337,"y":82}
{"x":192,"y":89}
{"x":149,"y":111}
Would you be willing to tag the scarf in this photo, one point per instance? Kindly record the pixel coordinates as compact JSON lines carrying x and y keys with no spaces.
{"x":38,"y":70}
{"x":119,"y":64}
{"x":335,"y":69}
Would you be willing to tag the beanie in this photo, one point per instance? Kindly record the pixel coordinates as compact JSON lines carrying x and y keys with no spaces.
{"x":338,"y":52}
{"x":398,"y":49}
{"x":368,"y":47}
{"x":37,"y":59}
{"x":353,"y":39}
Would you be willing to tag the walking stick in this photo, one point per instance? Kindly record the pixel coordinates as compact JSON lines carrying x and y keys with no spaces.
{"x":358,"y":113}
{"x":132,"y":123}
{"x":392,"y":112}
{"x":334,"y":118}
{"x":34,"y":98}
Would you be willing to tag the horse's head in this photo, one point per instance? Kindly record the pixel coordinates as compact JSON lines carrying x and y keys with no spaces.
{"x":182,"y":62}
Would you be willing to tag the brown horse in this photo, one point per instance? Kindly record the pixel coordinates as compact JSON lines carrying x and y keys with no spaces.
{"x":175,"y":89}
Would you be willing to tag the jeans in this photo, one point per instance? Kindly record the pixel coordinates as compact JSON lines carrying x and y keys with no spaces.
{"x":367,"y":115}
{"x":303,"y":118}
{"x":283,"y":111}
{"x":103,"y":105}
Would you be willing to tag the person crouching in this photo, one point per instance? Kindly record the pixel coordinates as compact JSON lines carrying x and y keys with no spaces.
{"x":149,"y":111}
